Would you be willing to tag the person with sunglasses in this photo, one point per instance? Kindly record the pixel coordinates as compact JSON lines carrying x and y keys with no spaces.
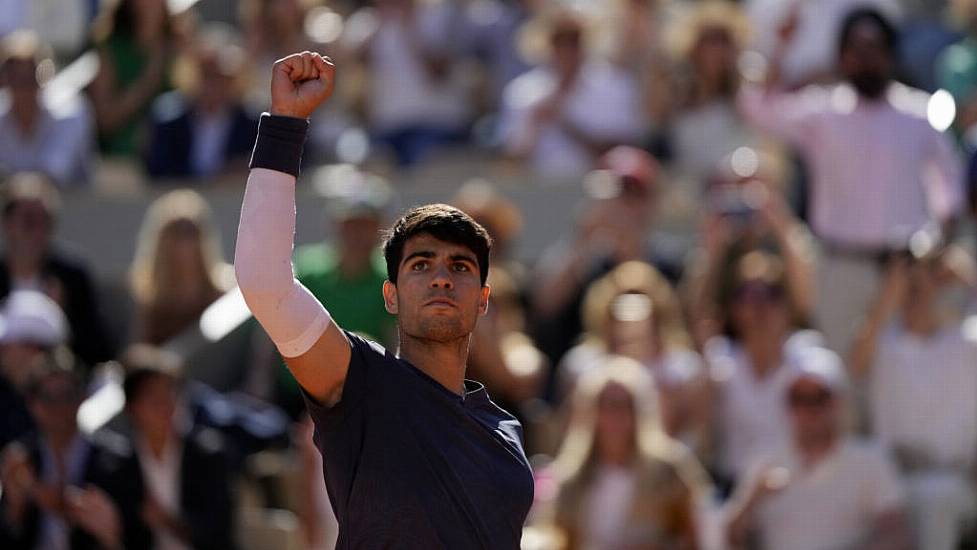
{"x":823,"y":488}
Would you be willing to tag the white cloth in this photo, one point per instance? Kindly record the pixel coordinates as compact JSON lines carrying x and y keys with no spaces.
{"x":879,"y":171}
{"x":609,"y":507}
{"x":163,"y":478}
{"x":751,"y":410}
{"x":846,"y":285}
{"x":604,"y":103}
{"x":831,"y":505}
{"x":814,"y":49}
{"x":942,"y":504}
{"x":924,"y":394}
{"x":401,"y":92}
{"x":61,"y":144}
{"x":702,"y":136}
{"x":293,"y":318}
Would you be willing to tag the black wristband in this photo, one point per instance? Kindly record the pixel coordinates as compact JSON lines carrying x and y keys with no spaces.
{"x":279,"y":144}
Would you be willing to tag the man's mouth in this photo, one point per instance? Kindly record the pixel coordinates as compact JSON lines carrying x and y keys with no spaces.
{"x":441,"y":302}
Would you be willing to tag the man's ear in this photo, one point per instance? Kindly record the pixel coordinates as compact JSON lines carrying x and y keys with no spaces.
{"x":483,"y":301}
{"x":390,"y":297}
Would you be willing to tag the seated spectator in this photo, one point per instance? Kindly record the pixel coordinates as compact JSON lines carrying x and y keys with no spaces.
{"x":136,"y":40}
{"x":633,"y":311}
{"x":615,"y":226}
{"x":178,"y":270}
{"x":703,"y":123}
{"x":550,"y":115}
{"x":38,"y":133}
{"x":185,"y":485}
{"x":750,"y":363}
{"x":620,"y":481}
{"x":32,"y":327}
{"x":823,"y":489}
{"x":203,"y":130}
{"x":63,"y":489}
{"x":921,"y":370}
{"x":31,"y":261}
{"x":865,"y":200}
{"x":417,"y":96}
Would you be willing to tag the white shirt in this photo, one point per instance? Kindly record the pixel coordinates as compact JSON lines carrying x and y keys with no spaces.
{"x":609,"y":507}
{"x":923,"y":393}
{"x":879,"y":171}
{"x":604,"y":104}
{"x":61,"y":144}
{"x":751,"y":411}
{"x":163,"y":477}
{"x":209,"y":142}
{"x":704,"y":135}
{"x":832,"y":505}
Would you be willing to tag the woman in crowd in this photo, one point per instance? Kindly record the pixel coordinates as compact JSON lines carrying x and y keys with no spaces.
{"x":633,"y":311}
{"x":178,"y":270}
{"x":621,"y":482}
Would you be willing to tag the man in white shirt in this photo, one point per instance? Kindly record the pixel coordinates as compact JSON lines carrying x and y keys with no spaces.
{"x":878,"y":170}
{"x":922,"y":374}
{"x":823,"y":490}
{"x":563,"y":115}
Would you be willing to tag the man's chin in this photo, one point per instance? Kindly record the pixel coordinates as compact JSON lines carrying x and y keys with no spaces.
{"x":442,"y":329}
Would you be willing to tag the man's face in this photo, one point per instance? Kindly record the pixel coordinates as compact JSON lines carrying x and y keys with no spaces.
{"x":27,"y":229}
{"x":866,"y":61}
{"x":55,"y":406}
{"x":813,"y":410}
{"x":153,"y":408}
{"x":439,"y":295}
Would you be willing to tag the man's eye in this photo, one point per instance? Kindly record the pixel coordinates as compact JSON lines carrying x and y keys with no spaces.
{"x":461,"y":267}
{"x":419,"y":266}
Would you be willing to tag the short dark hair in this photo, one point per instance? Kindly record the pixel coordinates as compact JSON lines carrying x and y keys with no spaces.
{"x":867,"y":15}
{"x":443,"y":222}
{"x":143,"y":363}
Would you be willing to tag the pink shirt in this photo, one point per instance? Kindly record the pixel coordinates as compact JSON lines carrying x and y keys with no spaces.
{"x":879,"y":171}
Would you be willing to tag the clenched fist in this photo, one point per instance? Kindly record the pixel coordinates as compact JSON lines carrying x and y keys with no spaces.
{"x":300,"y":83}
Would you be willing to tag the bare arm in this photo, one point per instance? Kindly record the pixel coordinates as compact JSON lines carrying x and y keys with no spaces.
{"x":890,"y":297}
{"x":315,"y":349}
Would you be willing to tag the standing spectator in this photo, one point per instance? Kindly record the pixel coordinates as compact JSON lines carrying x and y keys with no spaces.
{"x":921,"y":371}
{"x":621,"y":482}
{"x":33,"y":327}
{"x":37,"y":134}
{"x":878,"y":170}
{"x":823,"y":489}
{"x":31,"y":262}
{"x":204,"y":130}
{"x":178,"y":270}
{"x":633,"y":311}
{"x":417,"y":94}
{"x":565,"y":113}
{"x":63,"y":489}
{"x":185,"y":485}
{"x":136,"y":43}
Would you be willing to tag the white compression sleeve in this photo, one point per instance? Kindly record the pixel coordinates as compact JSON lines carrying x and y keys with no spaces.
{"x":289,"y":313}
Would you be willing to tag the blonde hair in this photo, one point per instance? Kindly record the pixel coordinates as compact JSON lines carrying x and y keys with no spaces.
{"x":635,"y":278}
{"x":148,"y":267}
{"x":577,"y":456}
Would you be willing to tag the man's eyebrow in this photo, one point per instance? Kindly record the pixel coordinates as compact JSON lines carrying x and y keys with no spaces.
{"x":419,"y":254}
{"x":463,"y":257}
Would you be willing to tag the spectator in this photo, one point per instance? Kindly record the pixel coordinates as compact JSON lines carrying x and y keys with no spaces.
{"x":492,"y":27}
{"x":32,"y":326}
{"x":185,"y":485}
{"x":204,"y":130}
{"x":63,"y":489}
{"x":62,"y":24}
{"x":572,"y":108}
{"x":704,"y":123}
{"x":417,"y":96}
{"x":136,"y":40}
{"x":921,"y":370}
{"x":750,"y":362}
{"x":823,"y":489}
{"x":178,"y":270}
{"x":620,"y":481}
{"x":633,"y":311}
{"x":864,"y":200}
{"x":37,"y":132}
{"x":956,"y":72}
{"x":615,"y":227}
{"x":31,"y":262}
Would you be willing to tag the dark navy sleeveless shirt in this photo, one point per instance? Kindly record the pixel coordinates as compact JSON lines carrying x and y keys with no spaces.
{"x":409,"y":464}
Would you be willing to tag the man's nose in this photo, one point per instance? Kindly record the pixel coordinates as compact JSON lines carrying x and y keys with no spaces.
{"x":442,"y":278}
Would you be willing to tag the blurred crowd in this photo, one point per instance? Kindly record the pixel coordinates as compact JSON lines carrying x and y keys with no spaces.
{"x":761,"y":331}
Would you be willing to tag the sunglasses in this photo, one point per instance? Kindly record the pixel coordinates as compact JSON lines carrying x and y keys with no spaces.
{"x":758,"y":293}
{"x":809,"y":400}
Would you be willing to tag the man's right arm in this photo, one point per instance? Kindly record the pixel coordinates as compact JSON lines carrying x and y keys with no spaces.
{"x":316,"y":351}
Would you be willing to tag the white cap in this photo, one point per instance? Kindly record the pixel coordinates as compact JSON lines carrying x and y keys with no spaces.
{"x":819,"y":364}
{"x":30,"y":316}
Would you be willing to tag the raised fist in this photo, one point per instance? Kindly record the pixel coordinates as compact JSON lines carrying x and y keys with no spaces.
{"x":300,"y":83}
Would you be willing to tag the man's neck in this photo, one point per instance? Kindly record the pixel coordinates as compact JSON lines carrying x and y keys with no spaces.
{"x":813,"y":451}
{"x":445,"y":362}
